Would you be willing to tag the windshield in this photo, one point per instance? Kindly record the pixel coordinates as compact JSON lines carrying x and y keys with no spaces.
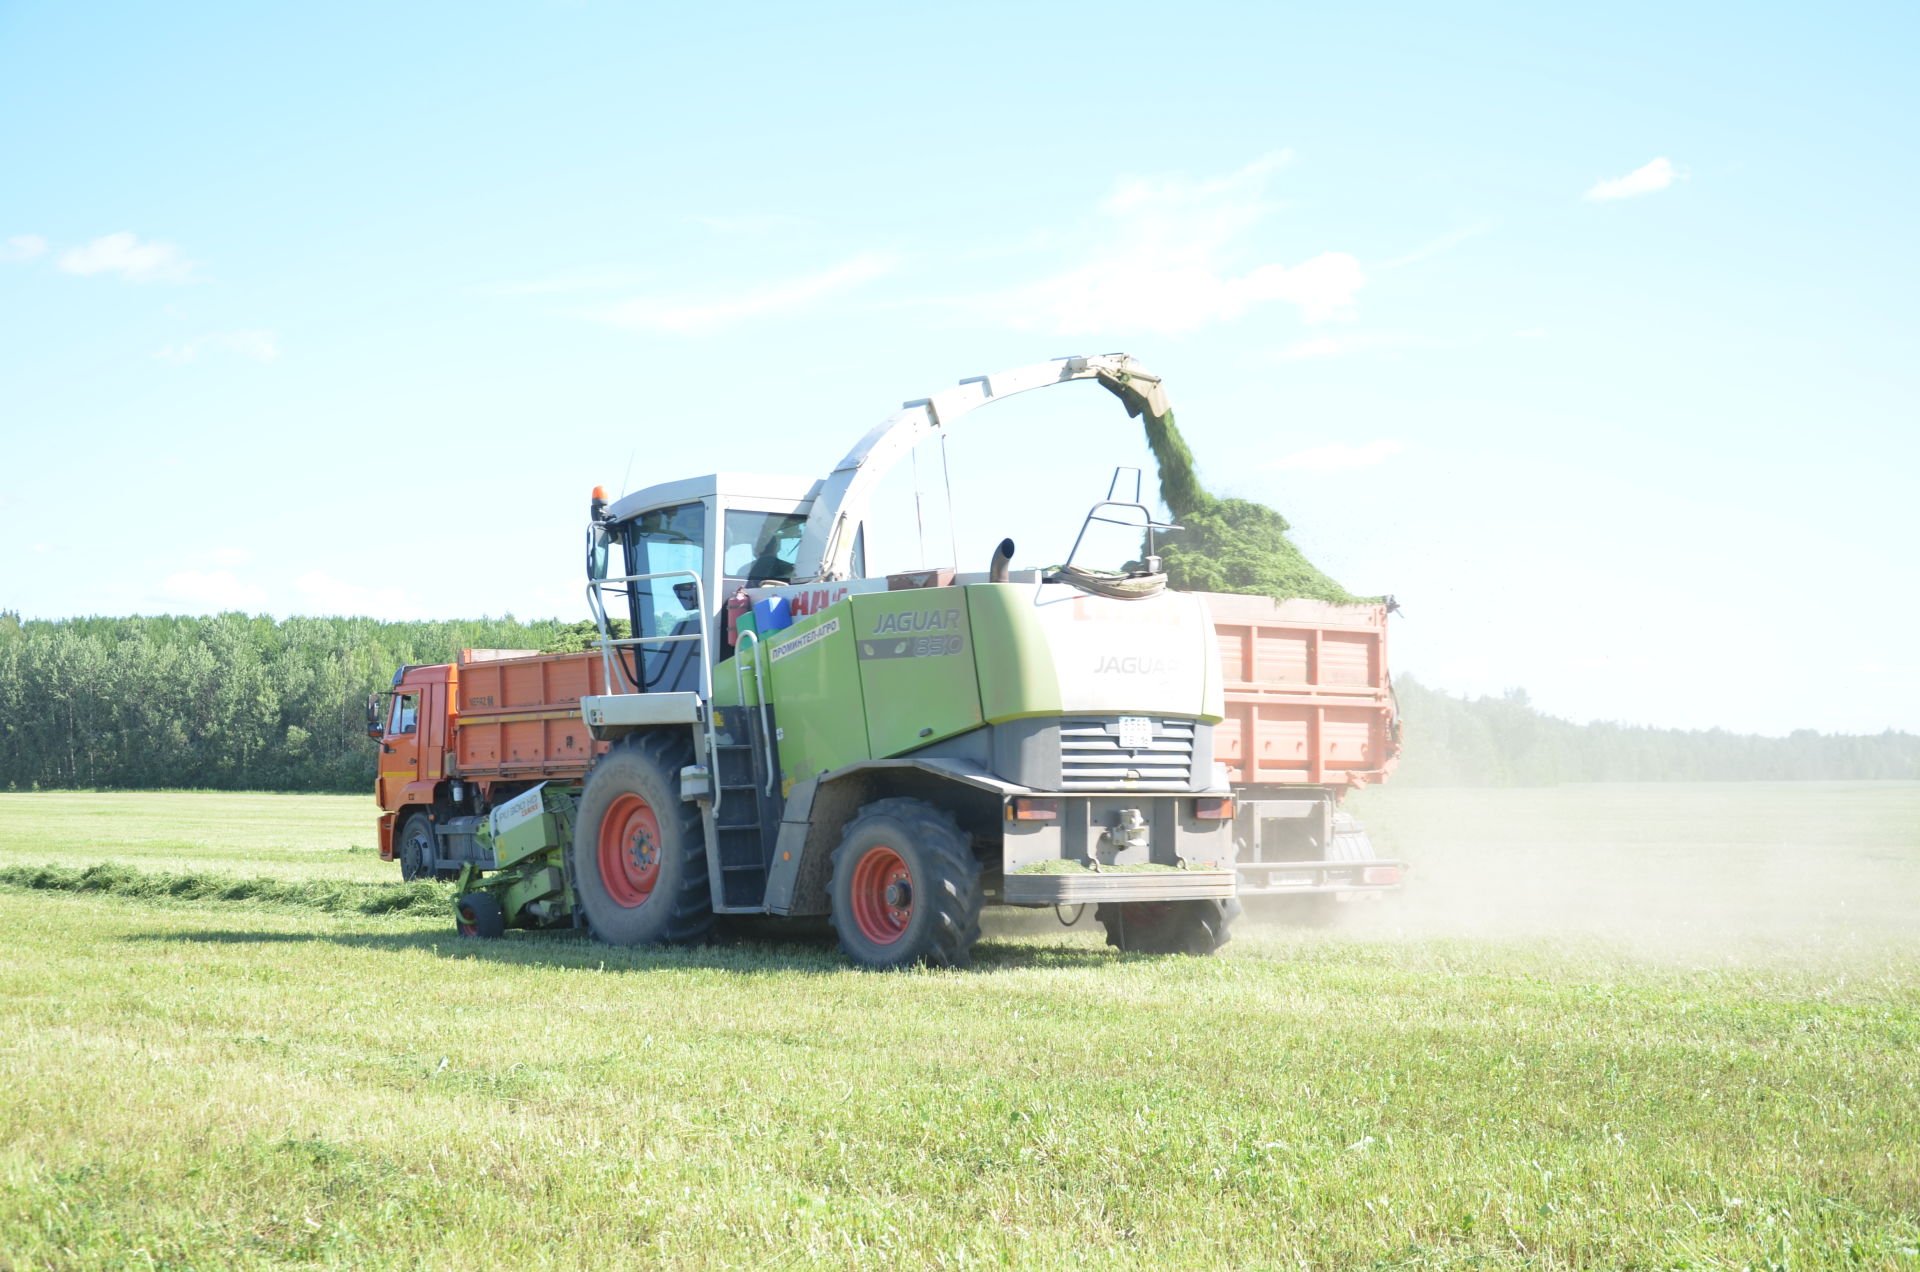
{"x":658,"y":541}
{"x":762,"y":546}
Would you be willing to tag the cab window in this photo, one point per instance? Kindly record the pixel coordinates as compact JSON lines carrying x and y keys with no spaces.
{"x":762,"y":546}
{"x":406,"y":713}
{"x":657,"y":542}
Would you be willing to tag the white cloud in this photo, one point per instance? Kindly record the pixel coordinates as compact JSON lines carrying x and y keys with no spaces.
{"x":261,"y":346}
{"x":696,"y":315}
{"x":23,"y":247}
{"x":127,"y":256}
{"x":215,"y":589}
{"x":325,"y":594}
{"x":1657,"y":175}
{"x":1339,"y":457}
{"x":1165,"y":262}
{"x":1445,"y":243}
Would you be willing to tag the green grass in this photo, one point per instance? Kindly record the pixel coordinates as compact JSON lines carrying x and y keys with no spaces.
{"x":213,"y":1083}
{"x":279,"y":836}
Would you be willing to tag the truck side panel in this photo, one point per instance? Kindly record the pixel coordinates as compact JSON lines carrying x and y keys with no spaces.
{"x":1308,"y":700}
{"x":520,"y":717}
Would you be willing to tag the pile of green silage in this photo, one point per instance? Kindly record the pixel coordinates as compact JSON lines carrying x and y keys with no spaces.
{"x":1227,"y":545}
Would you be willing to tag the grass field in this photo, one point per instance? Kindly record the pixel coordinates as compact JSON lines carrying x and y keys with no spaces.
{"x":1614,"y":1027}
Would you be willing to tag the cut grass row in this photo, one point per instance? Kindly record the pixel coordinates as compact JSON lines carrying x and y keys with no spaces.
{"x":418,"y":897}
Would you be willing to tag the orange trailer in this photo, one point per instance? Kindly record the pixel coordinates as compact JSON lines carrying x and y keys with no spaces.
{"x":1309,"y":717}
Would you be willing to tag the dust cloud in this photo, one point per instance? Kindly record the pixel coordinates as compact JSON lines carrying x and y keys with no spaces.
{"x":1653,"y":865}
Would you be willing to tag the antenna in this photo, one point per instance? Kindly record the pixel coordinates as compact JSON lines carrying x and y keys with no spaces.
{"x":628,"y":473}
{"x":946,"y":475}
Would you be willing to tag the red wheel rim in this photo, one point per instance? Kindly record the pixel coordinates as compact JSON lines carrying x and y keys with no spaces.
{"x":629,"y":851}
{"x":882,"y":895}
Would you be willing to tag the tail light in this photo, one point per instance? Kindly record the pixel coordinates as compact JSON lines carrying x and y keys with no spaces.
{"x":1027,"y":808}
{"x":1214,"y":808}
{"x":1380,"y":876}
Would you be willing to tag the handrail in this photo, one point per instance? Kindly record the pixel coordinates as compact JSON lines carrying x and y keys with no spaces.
{"x":1149,"y":525}
{"x":608,"y":643}
{"x":760,"y":694}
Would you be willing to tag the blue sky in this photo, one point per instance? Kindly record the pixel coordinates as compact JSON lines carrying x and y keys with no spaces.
{"x":1589,"y":336}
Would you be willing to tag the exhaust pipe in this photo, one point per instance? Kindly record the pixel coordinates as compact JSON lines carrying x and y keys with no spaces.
{"x":1002,"y":556}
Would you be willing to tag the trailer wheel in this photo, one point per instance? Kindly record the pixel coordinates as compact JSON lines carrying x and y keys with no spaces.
{"x":1167,"y":927}
{"x":478,"y":914}
{"x":906,"y":887}
{"x":639,"y":858}
{"x":416,"y":849}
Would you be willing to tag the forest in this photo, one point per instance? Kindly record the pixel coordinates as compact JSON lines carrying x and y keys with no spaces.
{"x":232,"y":702}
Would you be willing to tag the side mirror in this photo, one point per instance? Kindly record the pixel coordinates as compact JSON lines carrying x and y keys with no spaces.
{"x":597,"y":545}
{"x":375,"y":716}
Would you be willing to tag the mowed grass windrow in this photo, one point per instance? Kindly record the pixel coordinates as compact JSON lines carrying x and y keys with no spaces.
{"x":1635,"y":1027}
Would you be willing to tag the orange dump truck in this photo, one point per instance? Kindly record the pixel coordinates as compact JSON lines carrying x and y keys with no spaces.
{"x":1309,"y":716}
{"x":458,"y":739}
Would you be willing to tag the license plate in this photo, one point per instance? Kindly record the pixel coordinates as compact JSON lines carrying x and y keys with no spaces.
{"x":1136,"y":733}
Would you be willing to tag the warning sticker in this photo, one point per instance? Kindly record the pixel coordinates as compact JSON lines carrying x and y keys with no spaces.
{"x":801,"y":642}
{"x":522,"y":808}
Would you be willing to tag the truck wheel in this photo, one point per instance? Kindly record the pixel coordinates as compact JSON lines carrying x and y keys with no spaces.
{"x":1167,"y":927}
{"x":415,"y":847}
{"x":906,"y":887}
{"x":639,"y":858}
{"x":478,"y":914}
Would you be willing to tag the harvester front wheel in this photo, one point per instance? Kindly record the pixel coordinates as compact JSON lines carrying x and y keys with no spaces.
{"x":478,"y":914}
{"x":414,"y":847}
{"x":1167,"y":927}
{"x":639,"y":858}
{"x":906,"y":887}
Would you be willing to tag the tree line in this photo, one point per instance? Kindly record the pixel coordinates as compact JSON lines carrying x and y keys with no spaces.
{"x":1504,"y":741}
{"x":229,"y":702}
{"x":232,"y":702}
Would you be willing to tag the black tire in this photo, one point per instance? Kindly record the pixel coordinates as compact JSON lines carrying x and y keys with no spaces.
{"x":672,"y":903}
{"x":414,"y":848}
{"x":896,"y":843}
{"x":478,"y":914}
{"x":1167,"y":927}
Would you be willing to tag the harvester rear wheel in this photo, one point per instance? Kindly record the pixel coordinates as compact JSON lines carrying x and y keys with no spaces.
{"x":639,"y":858}
{"x":906,"y":887}
{"x":1168,"y":927}
{"x":478,"y":914}
{"x":413,"y":845}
